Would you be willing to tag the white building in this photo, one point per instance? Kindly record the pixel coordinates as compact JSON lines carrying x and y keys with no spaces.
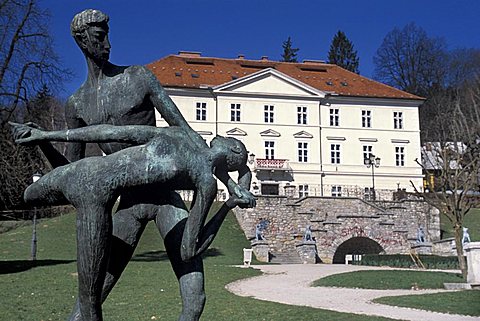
{"x":308,"y":126}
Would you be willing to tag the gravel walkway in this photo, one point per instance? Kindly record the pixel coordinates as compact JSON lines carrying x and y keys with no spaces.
{"x":290,"y":284}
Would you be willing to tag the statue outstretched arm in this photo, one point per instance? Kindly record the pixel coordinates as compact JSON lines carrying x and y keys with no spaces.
{"x":54,"y":157}
{"x":134,"y":134}
{"x":213,"y":225}
{"x":205,"y":191}
{"x":169,"y":111}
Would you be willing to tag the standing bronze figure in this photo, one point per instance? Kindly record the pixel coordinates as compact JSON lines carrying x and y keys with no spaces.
{"x":122,"y":96}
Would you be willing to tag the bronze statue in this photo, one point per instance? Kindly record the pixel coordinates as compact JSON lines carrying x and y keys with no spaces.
{"x":162,"y":159}
{"x":129,"y":95}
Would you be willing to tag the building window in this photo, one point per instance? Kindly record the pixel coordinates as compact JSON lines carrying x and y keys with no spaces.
{"x":269,"y":150}
{"x":366,"y":118}
{"x":302,"y":115}
{"x":398,"y":120}
{"x":367,"y":151}
{"x":302,"y":152}
{"x":268,"y":112}
{"x":336,"y":191}
{"x":335,"y":153}
{"x":302,"y":191}
{"x":334,"y":117}
{"x":400,"y":156}
{"x":201,"y":111}
{"x":235,"y":112}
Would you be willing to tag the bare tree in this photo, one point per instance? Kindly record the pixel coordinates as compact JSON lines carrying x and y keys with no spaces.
{"x":17,"y":165}
{"x":410,"y":60}
{"x":27,"y":58}
{"x":28,"y":65}
{"x":463,"y":66}
{"x":453,"y":161}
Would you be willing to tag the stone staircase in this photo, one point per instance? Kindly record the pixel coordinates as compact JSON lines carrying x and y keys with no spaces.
{"x":287,"y":256}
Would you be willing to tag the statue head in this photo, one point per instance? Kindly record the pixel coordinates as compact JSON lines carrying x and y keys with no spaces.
{"x":234,"y":151}
{"x":89,"y":28}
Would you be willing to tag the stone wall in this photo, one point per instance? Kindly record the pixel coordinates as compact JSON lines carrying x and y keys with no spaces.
{"x":392,"y":224}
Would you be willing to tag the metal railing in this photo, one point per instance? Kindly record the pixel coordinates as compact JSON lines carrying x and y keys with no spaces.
{"x":269,"y":164}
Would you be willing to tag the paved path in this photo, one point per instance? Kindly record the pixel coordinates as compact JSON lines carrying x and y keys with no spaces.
{"x":290,"y":284}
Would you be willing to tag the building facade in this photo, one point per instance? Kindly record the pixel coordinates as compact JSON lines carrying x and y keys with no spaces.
{"x":308,"y":126}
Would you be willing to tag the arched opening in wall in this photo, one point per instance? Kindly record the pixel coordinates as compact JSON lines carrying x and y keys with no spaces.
{"x":356,"y":245}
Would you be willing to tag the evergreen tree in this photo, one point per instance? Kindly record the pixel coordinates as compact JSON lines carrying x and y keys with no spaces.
{"x":342,"y":53}
{"x":289,"y":53}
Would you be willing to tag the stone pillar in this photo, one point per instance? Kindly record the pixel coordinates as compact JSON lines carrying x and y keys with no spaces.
{"x":472,"y":250}
{"x":260,"y":248}
{"x":422,"y":248}
{"x":307,"y":252}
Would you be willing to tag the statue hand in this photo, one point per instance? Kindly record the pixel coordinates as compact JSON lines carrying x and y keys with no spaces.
{"x":242,"y":198}
{"x":26,"y":134}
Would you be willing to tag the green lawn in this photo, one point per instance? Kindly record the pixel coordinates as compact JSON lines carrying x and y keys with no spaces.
{"x":460,"y":302}
{"x":472,"y":221}
{"x":147,"y":290}
{"x":382,"y":280}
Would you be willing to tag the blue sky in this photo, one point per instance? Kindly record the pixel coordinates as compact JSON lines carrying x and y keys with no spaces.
{"x":142,"y":31}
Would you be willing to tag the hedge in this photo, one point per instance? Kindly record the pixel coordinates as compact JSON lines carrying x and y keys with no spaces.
{"x":405,"y":261}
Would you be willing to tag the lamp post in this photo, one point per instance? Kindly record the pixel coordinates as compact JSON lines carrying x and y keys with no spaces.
{"x":35,"y":178}
{"x":373,"y":162}
{"x":251,"y":158}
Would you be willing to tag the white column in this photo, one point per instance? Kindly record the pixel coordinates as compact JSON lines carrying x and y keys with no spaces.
{"x":472,"y":250}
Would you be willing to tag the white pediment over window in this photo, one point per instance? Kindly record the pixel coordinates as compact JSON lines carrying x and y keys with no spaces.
{"x":269,"y":82}
{"x":236,"y":132}
{"x":303,"y":134}
{"x":336,"y":138}
{"x":400,"y":141}
{"x":270,"y":133}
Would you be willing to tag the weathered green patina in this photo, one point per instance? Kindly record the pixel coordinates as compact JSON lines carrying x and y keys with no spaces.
{"x":144,"y":177}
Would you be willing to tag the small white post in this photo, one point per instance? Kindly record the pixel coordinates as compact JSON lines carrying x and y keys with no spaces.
{"x":348,"y":257}
{"x":247,"y":257}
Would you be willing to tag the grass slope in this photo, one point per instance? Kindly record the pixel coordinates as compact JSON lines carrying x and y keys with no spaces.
{"x":472,"y":221}
{"x":147,"y":290}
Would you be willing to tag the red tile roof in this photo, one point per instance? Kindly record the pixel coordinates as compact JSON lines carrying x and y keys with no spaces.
{"x":190,"y":70}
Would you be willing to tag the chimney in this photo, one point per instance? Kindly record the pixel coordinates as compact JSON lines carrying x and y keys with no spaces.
{"x":264,"y":58}
{"x":190,"y":54}
{"x":241,"y":56}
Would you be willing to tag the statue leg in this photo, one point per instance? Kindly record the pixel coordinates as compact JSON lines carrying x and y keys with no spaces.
{"x":48,"y":190}
{"x":171,"y":223}
{"x":93,"y":246}
{"x":128,"y":225}
{"x":192,"y":290}
{"x":93,"y":231}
